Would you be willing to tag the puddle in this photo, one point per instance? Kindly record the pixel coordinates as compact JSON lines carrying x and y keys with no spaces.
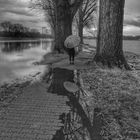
{"x":76,"y":124}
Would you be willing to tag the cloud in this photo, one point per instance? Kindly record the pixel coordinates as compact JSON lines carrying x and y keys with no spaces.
{"x":18,"y":11}
{"x":132,"y":7}
{"x":132,"y":17}
{"x":131,"y":30}
{"x":134,"y":21}
{"x":14,"y":7}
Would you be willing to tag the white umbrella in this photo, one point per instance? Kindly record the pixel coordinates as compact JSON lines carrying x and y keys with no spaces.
{"x":70,"y":86}
{"x":72,"y":41}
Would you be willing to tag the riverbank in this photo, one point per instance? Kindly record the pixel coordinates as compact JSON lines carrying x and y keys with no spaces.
{"x":9,"y":91}
{"x":117,"y":94}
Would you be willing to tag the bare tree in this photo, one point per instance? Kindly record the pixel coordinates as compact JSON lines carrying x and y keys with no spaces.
{"x":110,"y":34}
{"x":6,"y":26}
{"x":65,"y":10}
{"x":85,"y":16}
{"x":49,"y":9}
{"x":60,"y":14}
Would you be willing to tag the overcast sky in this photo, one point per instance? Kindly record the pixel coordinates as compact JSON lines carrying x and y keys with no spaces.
{"x":19,"y":11}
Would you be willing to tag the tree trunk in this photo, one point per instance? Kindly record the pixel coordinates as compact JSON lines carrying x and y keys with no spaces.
{"x":81,"y":33}
{"x":64,"y":29}
{"x":63,"y":25}
{"x":110,"y":35}
{"x":65,"y":11}
{"x":80,"y":30}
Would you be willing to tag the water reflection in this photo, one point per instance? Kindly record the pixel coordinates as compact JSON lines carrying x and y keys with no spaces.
{"x":73,"y":128}
{"x":9,"y":47}
{"x":77,"y":123}
{"x":74,"y":122}
{"x":16,"y":58}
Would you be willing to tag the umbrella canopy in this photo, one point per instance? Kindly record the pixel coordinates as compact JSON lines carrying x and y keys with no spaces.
{"x":71,"y":87}
{"x":72,"y":41}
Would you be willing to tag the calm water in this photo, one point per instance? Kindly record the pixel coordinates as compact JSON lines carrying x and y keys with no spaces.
{"x":16,"y":58}
{"x":132,"y":46}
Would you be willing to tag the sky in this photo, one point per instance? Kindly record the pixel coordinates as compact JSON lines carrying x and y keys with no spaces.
{"x":132,"y":17}
{"x":18,"y":11}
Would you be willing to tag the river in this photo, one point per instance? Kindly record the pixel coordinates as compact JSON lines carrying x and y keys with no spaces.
{"x":128,"y":45}
{"x":17,"y":57}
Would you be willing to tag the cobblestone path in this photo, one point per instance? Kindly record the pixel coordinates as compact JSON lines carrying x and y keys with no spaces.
{"x":34,"y":115}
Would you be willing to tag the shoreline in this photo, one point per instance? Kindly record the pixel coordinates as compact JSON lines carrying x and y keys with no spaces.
{"x":10,"y":90}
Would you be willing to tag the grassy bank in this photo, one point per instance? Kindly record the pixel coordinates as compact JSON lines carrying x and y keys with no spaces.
{"x":117,"y":94}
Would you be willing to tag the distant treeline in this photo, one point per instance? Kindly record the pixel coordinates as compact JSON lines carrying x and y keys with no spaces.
{"x":17,"y":30}
{"x":131,"y":37}
{"x":124,"y":37}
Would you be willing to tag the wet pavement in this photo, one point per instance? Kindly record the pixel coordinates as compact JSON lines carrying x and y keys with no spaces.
{"x":34,"y":115}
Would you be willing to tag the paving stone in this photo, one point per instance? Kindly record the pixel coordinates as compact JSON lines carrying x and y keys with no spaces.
{"x":34,"y":115}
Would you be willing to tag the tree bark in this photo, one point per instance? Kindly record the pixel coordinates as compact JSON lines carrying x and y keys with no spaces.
{"x":80,"y":30}
{"x":110,"y":35}
{"x":63,"y":24}
{"x":63,"y":30}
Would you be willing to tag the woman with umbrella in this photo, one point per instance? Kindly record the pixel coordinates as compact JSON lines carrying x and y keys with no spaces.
{"x":71,"y":43}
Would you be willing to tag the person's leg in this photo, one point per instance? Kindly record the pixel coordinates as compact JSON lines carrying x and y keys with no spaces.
{"x":70,"y":56}
{"x":68,"y":50}
{"x":73,"y":55}
{"x":72,"y":59}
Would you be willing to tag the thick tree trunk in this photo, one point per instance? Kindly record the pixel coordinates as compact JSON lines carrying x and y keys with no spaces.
{"x":58,"y":38}
{"x":63,"y":25}
{"x":110,"y":35}
{"x":64,"y":29}
{"x":65,"y":11}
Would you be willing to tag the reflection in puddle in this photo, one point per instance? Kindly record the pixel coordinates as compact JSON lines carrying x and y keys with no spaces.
{"x":73,"y":128}
{"x":77,"y":124}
